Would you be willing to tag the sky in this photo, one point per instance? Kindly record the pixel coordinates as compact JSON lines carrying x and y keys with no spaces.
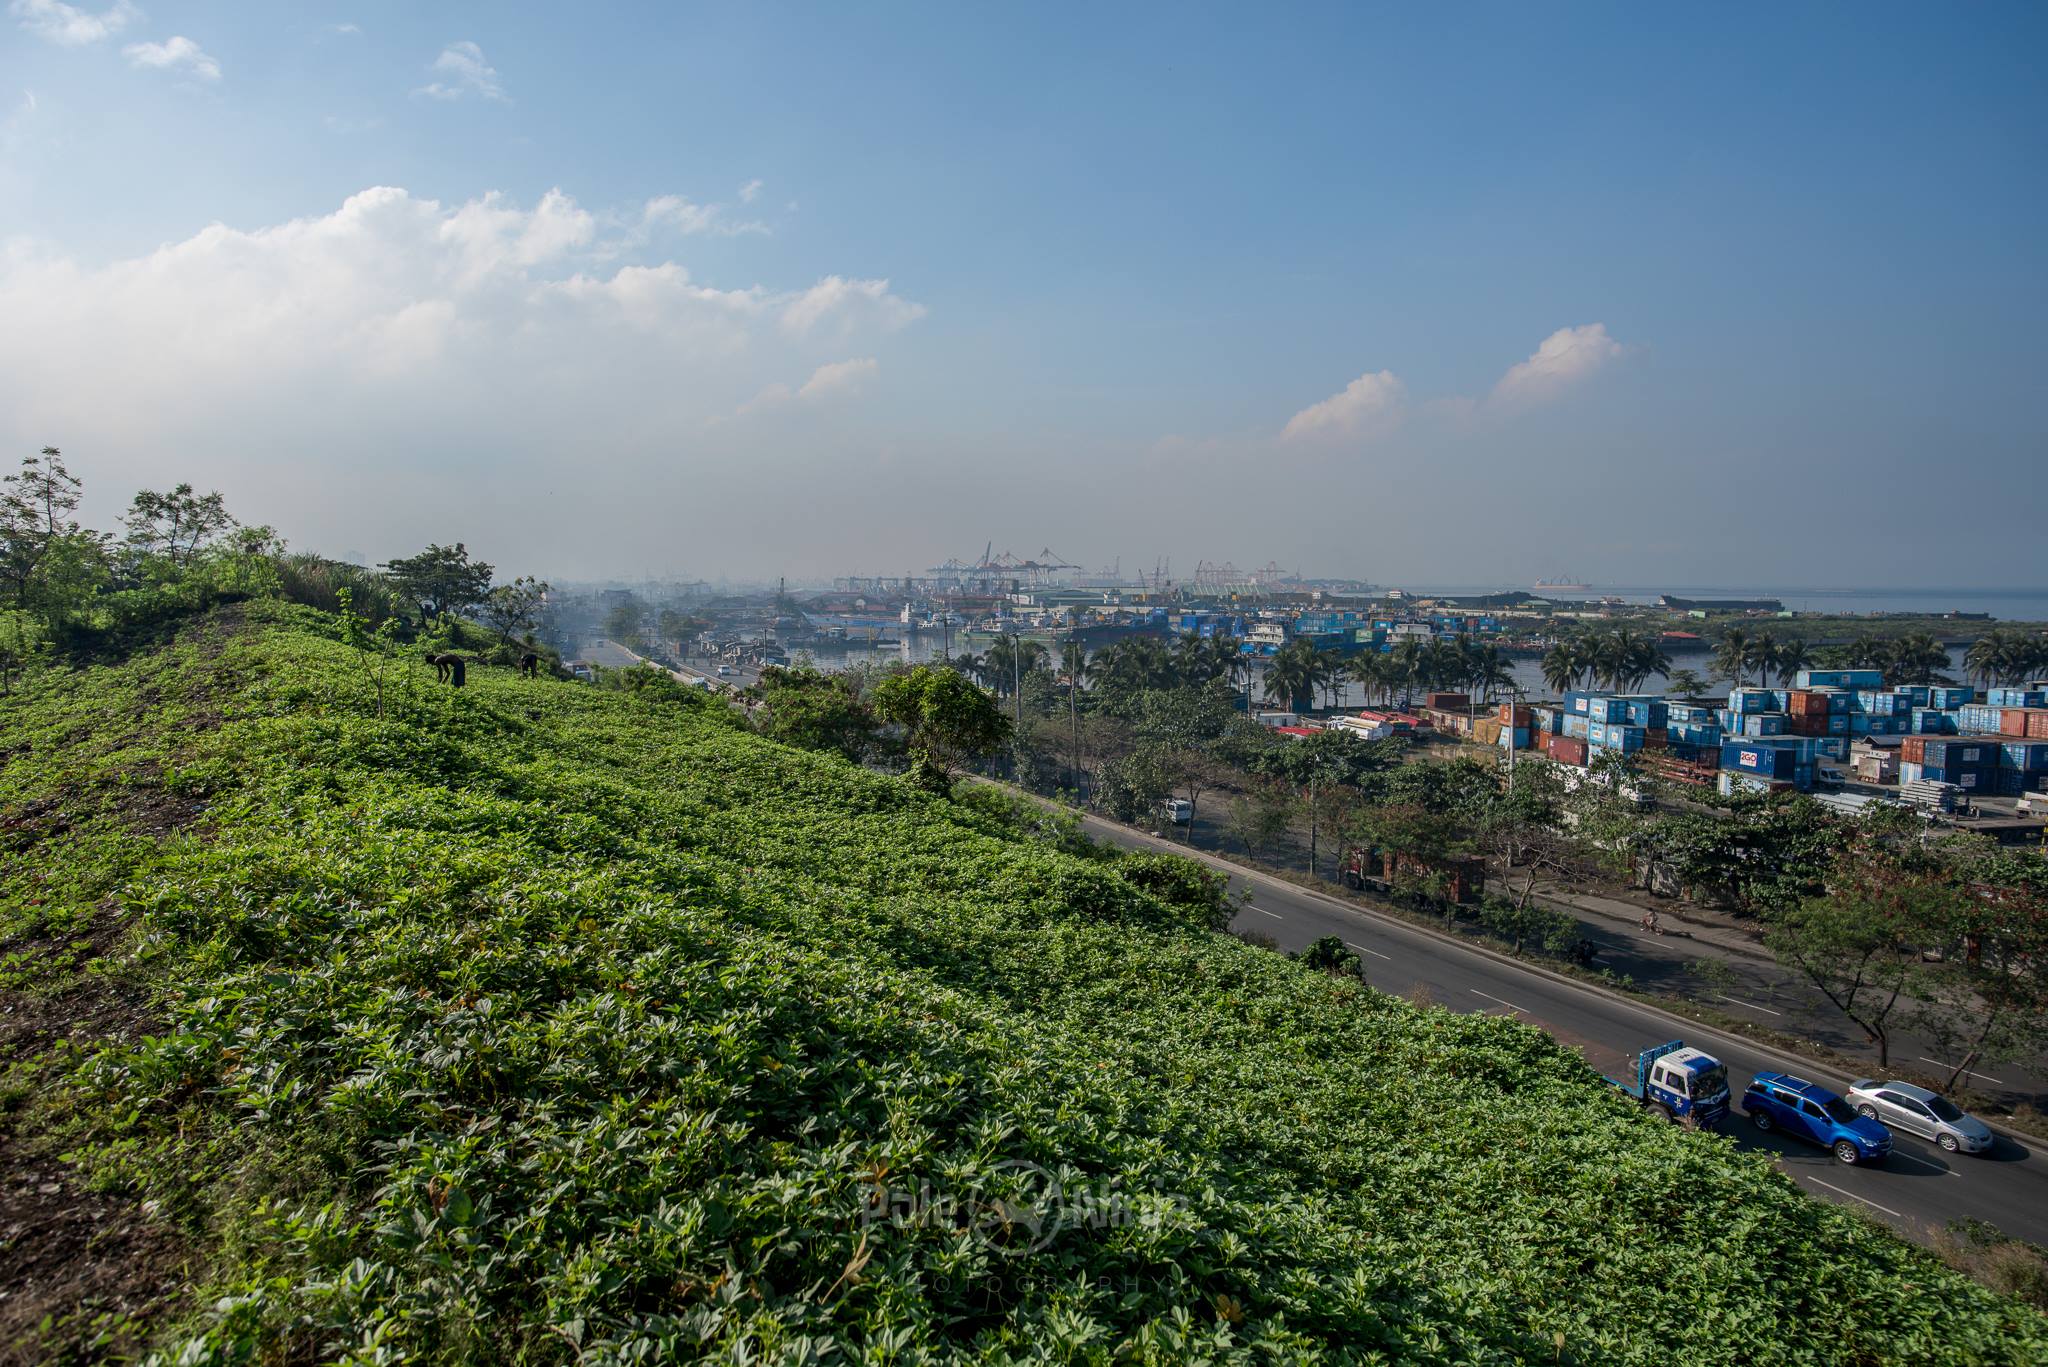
{"x":1467,"y":294}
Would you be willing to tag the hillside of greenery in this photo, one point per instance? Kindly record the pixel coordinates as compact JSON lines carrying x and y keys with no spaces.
{"x":537,"y":1022}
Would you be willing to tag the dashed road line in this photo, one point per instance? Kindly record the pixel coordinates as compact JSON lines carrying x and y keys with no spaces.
{"x":1969,"y":1072}
{"x":1363,"y":950}
{"x":1909,"y":1158}
{"x":1274,"y":914}
{"x":1508,"y":1004}
{"x":1751,"y":1005}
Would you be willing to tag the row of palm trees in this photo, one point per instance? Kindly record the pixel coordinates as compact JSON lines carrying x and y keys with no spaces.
{"x":1299,"y":671}
{"x":2007,"y":655}
{"x":1621,"y":659}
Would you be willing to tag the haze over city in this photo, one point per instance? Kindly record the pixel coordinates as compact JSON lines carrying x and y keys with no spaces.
{"x":1461,"y":297}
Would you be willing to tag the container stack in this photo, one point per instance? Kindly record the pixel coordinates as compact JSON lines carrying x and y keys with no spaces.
{"x":1966,"y":762}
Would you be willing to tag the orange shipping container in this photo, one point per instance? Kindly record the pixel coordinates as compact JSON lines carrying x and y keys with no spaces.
{"x":1913,"y":750}
{"x":1806,"y":703}
{"x":2030,"y":722}
{"x":1514,"y":714}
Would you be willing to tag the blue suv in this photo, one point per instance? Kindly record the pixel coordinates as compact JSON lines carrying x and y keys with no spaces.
{"x":1778,"y":1101}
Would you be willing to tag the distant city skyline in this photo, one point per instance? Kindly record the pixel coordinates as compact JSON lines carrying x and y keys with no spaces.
{"x":1471,"y":295}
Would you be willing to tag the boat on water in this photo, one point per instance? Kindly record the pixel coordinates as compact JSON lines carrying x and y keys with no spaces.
{"x":1561,"y":584}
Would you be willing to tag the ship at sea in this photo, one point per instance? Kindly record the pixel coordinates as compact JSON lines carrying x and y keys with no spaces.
{"x":1561,"y":584}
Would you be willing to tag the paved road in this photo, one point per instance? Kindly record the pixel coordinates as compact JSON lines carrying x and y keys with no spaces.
{"x":1921,"y":1189}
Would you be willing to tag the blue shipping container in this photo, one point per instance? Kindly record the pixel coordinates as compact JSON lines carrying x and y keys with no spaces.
{"x":1752,"y":700}
{"x":1979,"y":718}
{"x":1767,"y":761}
{"x":1915,"y":694}
{"x":1928,"y":721}
{"x":1838,"y":678}
{"x":1965,"y":753}
{"x":2025,"y":756}
{"x":1576,"y":726}
{"x":2016,"y":697}
{"x":1764,"y":724}
{"x":1947,"y":698}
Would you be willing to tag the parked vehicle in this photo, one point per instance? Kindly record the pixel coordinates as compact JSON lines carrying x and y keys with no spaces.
{"x":1177,"y":810}
{"x":1808,"y":1111}
{"x":1916,"y":1110}
{"x":724,"y":671}
{"x":1687,"y":1085}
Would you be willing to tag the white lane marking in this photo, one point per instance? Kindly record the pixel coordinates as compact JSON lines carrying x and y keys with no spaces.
{"x":1508,"y":1004}
{"x":1945,"y":1172}
{"x":1363,"y":950}
{"x":1967,"y":1072}
{"x":1751,"y":1005}
{"x":1854,"y":1197}
{"x":1274,"y":914}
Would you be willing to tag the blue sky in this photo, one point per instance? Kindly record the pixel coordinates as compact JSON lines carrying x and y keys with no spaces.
{"x":1463,"y":294}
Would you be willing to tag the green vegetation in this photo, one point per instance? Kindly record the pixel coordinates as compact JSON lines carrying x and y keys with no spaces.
{"x":541,"y":1022}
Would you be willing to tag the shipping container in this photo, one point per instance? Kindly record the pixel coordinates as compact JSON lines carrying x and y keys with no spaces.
{"x":1915,"y":694}
{"x":1769,"y":761}
{"x":1652,"y":712}
{"x":1948,"y":697}
{"x":1807,"y":702}
{"x":1577,"y":728}
{"x":1516,"y":714}
{"x":1752,"y":700}
{"x":1734,"y":781}
{"x":2024,"y":722}
{"x":2025,"y":756}
{"x":1978,"y":718}
{"x":1448,"y":702}
{"x":1806,"y":724}
{"x":2016,"y":697}
{"x":1568,"y":750}
{"x":1608,"y":709}
{"x":1839,"y":678}
{"x":1928,"y":721}
{"x":1764,"y":723}
{"x":1972,"y":778}
{"x":1945,"y":752}
{"x":1516,"y":737}
{"x":1577,"y":702}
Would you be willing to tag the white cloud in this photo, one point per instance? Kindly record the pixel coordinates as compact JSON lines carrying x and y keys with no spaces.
{"x":69,"y":25}
{"x":1369,"y":405}
{"x":177,"y":54}
{"x":466,"y":73}
{"x":1565,"y":357}
{"x":750,"y":191}
{"x":834,"y":379}
{"x":839,"y":377}
{"x":398,"y":328}
{"x":344,"y":30}
{"x":836,"y":299}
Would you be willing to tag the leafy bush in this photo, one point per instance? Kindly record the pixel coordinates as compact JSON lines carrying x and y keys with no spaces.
{"x":539,"y":1022}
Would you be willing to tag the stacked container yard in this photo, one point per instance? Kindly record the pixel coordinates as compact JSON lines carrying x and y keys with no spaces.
{"x":1966,"y":762}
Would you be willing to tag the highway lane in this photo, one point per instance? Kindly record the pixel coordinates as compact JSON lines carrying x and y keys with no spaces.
{"x":1919,"y":1190}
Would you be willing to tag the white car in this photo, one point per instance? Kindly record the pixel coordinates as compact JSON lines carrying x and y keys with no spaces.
{"x":724,"y":671}
{"x":1902,"y":1106}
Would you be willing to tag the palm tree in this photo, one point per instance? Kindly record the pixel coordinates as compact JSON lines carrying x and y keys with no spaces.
{"x":1408,"y":662}
{"x":1916,"y":658}
{"x":1760,"y":654}
{"x":1645,"y":655}
{"x":1491,"y":672}
{"x":1193,"y":664}
{"x":2006,"y":655}
{"x":1074,"y":662}
{"x":1788,"y":658}
{"x":1562,"y":666}
{"x":1684,"y":683}
{"x":1294,"y":674}
{"x":1731,"y":655}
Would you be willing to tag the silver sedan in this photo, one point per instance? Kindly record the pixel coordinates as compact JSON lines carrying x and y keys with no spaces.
{"x":1916,"y":1110}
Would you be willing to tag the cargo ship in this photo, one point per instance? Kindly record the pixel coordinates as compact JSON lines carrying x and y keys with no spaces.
{"x":1560,"y":585}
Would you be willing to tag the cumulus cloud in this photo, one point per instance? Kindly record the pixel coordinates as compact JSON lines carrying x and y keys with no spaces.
{"x":835,"y":379}
{"x":836,"y":300}
{"x":176,"y":54}
{"x":464,"y":72}
{"x":447,"y":334}
{"x":1566,"y":357}
{"x":750,"y":191}
{"x":69,"y":25}
{"x":1369,"y":405}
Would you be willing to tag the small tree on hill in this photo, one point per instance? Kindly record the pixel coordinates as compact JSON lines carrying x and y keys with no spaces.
{"x":514,"y":609}
{"x":176,"y":525}
{"x":440,"y":579}
{"x":947,"y":720}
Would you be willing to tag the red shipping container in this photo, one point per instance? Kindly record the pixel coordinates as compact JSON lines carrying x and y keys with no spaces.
{"x":2029,"y":722}
{"x":1568,"y":749}
{"x":1808,"y":724}
{"x":1513,"y":714}
{"x":1806,"y":702}
{"x":1448,"y":702}
{"x":1913,"y":750}
{"x":2037,"y":724}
